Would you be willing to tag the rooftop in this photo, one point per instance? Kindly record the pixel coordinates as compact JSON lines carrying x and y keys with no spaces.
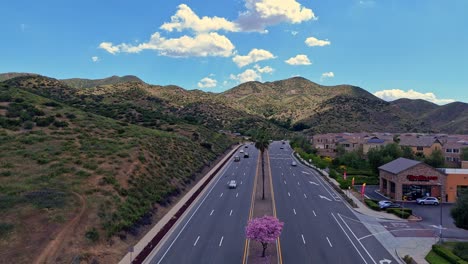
{"x":399,"y":165}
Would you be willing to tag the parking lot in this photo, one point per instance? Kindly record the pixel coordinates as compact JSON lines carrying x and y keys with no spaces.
{"x":431,"y":215}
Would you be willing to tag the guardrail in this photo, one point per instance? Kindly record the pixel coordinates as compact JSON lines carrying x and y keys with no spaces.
{"x":157,"y":238}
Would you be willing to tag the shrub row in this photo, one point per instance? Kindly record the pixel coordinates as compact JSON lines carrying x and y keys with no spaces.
{"x":373,"y":204}
{"x":447,"y":254}
{"x":400,"y":212}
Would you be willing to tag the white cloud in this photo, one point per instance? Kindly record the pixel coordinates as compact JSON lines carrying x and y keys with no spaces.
{"x":327,"y":75}
{"x":263,"y":13}
{"x":266,"y":69}
{"x":254,"y":55}
{"x":185,"y":18}
{"x":246,"y":76}
{"x":294,"y":33}
{"x":300,"y":59}
{"x":312,"y":42}
{"x":207,"y":83}
{"x":95,"y":58}
{"x":107,"y":46}
{"x":393,"y":94}
{"x":202,"y":45}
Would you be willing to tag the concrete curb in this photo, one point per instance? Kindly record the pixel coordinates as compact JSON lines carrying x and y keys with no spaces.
{"x":151,"y":240}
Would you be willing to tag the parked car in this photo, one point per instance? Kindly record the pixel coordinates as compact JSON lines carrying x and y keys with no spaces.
{"x":246,"y":146}
{"x":232,"y":184}
{"x":241,"y":151}
{"x":246,"y":155}
{"x":293,"y":163}
{"x":236,"y":158}
{"x":428,"y":200}
{"x":281,"y":147}
{"x":383,"y":203}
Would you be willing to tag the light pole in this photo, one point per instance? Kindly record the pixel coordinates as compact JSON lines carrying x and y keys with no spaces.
{"x":440,"y":227}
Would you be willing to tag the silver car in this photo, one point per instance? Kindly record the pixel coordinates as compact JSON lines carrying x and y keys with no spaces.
{"x":428,"y":200}
{"x":232,"y":184}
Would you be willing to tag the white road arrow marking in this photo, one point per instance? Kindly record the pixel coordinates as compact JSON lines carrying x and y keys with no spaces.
{"x":324,"y":197}
{"x":382,"y":261}
{"x":305,"y":172}
{"x":311,"y":182}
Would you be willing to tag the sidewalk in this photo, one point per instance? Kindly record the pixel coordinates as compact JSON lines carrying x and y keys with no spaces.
{"x":129,"y":257}
{"x":416,"y":247}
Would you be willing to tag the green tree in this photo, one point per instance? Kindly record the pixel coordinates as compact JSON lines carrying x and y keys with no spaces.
{"x":436,"y":159}
{"x":460,"y":210}
{"x":261,"y":143}
{"x":464,"y":153}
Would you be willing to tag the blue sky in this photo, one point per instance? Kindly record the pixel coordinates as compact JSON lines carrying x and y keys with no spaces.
{"x":392,"y":48}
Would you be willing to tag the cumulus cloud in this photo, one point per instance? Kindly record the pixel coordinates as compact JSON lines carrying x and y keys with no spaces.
{"x":107,"y":46}
{"x":260,"y":14}
{"x":300,"y":59}
{"x":202,"y":45}
{"x":95,"y":58}
{"x":207,"y":83}
{"x":327,"y":75}
{"x":246,"y":76}
{"x":254,"y":55}
{"x":266,"y":69}
{"x":393,"y":94}
{"x":185,"y":18}
{"x":312,"y":42}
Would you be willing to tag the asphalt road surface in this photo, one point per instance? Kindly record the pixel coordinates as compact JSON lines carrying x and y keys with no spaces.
{"x":318,"y":226}
{"x":214,"y":229}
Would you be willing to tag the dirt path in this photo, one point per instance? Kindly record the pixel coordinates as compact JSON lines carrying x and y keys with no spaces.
{"x":50,"y":250}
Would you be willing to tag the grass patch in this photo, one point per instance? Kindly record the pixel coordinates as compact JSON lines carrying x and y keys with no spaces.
{"x":5,"y":230}
{"x":433,"y":258}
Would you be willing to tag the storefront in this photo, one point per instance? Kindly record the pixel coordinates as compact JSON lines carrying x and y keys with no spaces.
{"x":457,"y":181}
{"x":405,"y":179}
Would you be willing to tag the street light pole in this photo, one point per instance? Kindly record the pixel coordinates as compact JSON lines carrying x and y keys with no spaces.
{"x":440,"y":227}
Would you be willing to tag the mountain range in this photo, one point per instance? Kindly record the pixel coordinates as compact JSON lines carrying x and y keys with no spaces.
{"x":294,"y":104}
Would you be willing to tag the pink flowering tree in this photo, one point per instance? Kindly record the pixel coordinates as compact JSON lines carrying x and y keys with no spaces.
{"x":264,"y":230}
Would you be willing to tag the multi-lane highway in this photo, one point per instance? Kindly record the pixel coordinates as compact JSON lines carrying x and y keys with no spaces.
{"x":214,"y":229}
{"x":319,"y":227}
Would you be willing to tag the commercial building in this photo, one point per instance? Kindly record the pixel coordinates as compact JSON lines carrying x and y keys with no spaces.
{"x":457,"y":180}
{"x":405,"y":179}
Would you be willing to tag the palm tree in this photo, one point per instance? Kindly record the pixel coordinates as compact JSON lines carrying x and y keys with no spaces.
{"x":261,"y":143}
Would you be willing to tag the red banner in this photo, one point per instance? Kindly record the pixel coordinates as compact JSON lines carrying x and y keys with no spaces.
{"x":363,"y":189}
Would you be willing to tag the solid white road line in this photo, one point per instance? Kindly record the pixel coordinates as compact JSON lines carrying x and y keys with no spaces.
{"x":305,"y":196}
{"x":303,"y":240}
{"x":329,"y":242}
{"x":289,"y":194}
{"x":230,"y":213}
{"x":294,"y":211}
{"x":221,"y":195}
{"x":191,"y":216}
{"x":221,"y":241}
{"x":305,"y":172}
{"x":314,"y":212}
{"x":311,"y":182}
{"x":237,"y":194}
{"x":194,"y":244}
{"x":212,"y":211}
{"x":359,"y":252}
{"x":359,"y":241}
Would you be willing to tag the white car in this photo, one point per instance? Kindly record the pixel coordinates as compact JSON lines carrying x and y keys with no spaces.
{"x":428,"y":200}
{"x":232,"y":184}
{"x":241,"y":151}
{"x":293,"y":163}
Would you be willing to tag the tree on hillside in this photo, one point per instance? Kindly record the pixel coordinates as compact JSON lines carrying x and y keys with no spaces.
{"x":436,"y":159}
{"x":265,"y":230}
{"x":460,"y":210}
{"x":261,"y":143}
